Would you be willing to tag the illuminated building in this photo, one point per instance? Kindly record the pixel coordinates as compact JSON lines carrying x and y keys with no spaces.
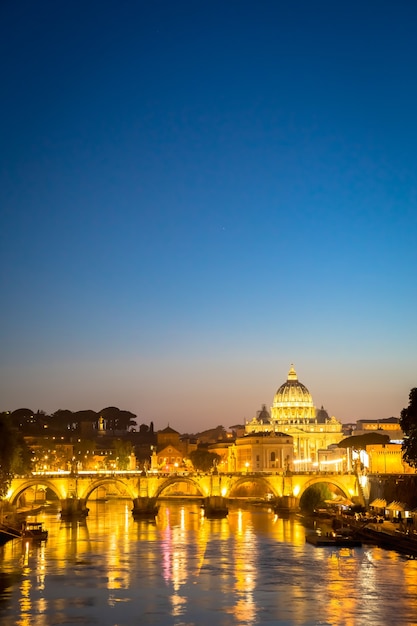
{"x":293,"y":413}
{"x":171,"y":451}
{"x":386,"y":459}
{"x":389,"y":426}
{"x":261,"y":451}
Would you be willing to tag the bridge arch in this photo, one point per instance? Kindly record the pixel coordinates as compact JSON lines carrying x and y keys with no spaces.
{"x":265,"y":485}
{"x":107,"y":481}
{"x":35,"y":482}
{"x":326,"y":480}
{"x":171,"y":481}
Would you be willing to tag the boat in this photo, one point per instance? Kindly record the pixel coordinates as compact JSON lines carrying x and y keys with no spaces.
{"x":34,"y":531}
{"x":332,"y":539}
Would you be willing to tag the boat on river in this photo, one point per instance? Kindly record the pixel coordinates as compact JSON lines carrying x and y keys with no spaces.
{"x":34,"y":531}
{"x":332,"y":539}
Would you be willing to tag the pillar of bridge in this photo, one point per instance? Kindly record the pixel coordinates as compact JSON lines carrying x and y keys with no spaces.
{"x":286,"y":504}
{"x":145,"y":507}
{"x":73,"y":508}
{"x":215,"y":506}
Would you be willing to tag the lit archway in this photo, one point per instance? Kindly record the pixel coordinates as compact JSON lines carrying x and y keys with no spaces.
{"x":179,"y":487}
{"x":252,"y":487}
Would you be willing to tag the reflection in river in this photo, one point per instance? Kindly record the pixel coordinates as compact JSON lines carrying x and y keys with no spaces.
{"x":250,"y":568}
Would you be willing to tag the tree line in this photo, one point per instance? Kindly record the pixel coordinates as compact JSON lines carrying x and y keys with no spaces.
{"x":408,"y":423}
{"x":64,"y":420}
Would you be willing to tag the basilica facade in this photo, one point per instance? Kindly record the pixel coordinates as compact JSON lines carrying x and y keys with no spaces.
{"x":293,"y":413}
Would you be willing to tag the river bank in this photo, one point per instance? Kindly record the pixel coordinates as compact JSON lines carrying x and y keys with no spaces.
{"x":383,"y":533}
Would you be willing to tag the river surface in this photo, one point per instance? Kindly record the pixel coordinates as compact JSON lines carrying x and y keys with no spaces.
{"x":250,"y":568}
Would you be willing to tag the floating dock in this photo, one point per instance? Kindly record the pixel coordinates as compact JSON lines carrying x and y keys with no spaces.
{"x":336,"y":541}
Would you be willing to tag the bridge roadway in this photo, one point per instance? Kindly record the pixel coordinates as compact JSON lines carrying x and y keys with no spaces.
{"x":73,"y":489}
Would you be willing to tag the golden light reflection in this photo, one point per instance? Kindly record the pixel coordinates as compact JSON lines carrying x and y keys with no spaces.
{"x":179,"y":604}
{"x":240,"y":521}
{"x":246,"y":557}
{"x":286,"y":530}
{"x":410,"y":577}
{"x":25,"y":601}
{"x":233,"y":557}
{"x":118,"y":577}
{"x":41,"y":606}
{"x":41,"y":559}
{"x":339,"y":595}
{"x":179,"y":559}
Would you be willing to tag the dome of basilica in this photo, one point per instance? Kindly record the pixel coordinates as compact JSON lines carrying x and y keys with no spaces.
{"x":293,"y":401}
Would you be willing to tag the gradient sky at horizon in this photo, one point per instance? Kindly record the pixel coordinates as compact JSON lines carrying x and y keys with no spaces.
{"x":196,"y":194}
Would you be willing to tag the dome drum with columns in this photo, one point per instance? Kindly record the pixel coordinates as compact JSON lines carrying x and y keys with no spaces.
{"x":293,"y":413}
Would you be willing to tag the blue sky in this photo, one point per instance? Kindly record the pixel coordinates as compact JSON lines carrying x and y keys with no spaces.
{"x":195,"y":195}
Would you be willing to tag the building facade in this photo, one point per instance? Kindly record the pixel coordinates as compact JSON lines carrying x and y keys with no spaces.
{"x":389,"y":426}
{"x":261,"y":452}
{"x":386,"y":459}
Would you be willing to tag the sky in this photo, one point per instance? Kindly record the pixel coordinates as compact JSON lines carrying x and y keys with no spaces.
{"x":195,"y":195}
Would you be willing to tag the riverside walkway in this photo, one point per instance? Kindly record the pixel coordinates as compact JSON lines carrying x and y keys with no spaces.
{"x":388,"y":535}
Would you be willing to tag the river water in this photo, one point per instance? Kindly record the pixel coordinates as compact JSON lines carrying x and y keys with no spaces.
{"x":250,"y":568}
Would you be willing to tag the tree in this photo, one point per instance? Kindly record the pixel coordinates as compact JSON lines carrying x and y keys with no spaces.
{"x":203,"y":460}
{"x":314,"y":497}
{"x":408,"y":423}
{"x":87,"y":415}
{"x":21,"y":417}
{"x":117,"y":419}
{"x":14,"y":454}
{"x":125,"y":420}
{"x":359,"y":442}
{"x":62,"y":420}
{"x":123,"y":450}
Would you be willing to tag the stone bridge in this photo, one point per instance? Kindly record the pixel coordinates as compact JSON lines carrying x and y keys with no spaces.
{"x":73,"y":490}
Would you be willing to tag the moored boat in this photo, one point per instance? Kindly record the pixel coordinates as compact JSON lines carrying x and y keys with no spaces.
{"x":34,"y":531}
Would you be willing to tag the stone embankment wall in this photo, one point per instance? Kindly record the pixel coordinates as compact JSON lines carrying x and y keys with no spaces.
{"x":390,"y":487}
